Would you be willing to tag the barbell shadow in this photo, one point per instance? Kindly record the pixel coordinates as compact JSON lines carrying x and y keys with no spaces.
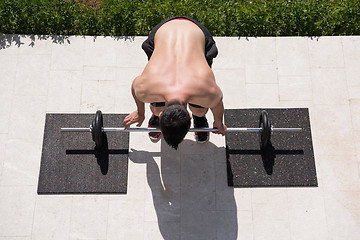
{"x":268,"y":155}
{"x":101,"y":154}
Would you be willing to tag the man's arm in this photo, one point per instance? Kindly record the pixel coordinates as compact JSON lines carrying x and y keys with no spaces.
{"x":218,"y":112}
{"x":139,"y":104}
{"x":137,"y":116}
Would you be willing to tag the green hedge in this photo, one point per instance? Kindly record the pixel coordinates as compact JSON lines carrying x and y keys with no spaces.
{"x":222,"y":18}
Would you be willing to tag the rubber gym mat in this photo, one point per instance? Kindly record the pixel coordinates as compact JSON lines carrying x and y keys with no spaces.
{"x":287,"y":162}
{"x":70,"y":164}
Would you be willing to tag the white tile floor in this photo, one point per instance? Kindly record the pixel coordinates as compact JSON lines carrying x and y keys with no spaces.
{"x":183,"y":194}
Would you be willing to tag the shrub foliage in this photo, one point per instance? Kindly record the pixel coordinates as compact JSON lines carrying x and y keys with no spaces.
{"x":222,"y":18}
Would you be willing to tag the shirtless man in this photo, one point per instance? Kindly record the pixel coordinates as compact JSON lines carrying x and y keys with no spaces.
{"x":178,"y":74}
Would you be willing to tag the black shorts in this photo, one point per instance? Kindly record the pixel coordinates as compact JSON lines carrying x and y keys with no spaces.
{"x":211,"y":50}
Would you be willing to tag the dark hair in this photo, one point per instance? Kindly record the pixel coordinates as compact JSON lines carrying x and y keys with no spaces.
{"x":174,"y":123}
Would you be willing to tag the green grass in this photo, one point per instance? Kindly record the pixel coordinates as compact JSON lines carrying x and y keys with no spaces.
{"x":222,"y":18}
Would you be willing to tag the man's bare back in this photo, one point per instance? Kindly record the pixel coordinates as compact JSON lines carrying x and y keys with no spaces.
{"x":178,"y":67}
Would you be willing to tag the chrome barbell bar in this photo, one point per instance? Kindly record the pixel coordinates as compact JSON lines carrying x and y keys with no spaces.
{"x":123,"y":129}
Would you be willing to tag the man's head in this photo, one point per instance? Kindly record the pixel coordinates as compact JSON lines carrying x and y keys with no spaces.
{"x":174,"y":123}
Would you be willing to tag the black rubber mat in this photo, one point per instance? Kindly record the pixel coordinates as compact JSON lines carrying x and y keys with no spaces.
{"x":70,"y":164}
{"x":287,"y":161}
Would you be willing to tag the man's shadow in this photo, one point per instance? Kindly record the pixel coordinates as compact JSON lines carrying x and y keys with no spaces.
{"x":189,"y":191}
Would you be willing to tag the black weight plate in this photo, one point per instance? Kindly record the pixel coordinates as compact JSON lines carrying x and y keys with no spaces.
{"x":97,"y":129}
{"x":265,"y":133}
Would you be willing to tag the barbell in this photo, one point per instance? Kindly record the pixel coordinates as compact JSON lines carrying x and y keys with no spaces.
{"x":265,"y":129}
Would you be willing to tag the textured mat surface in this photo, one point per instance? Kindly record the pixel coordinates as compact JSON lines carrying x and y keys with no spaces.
{"x":70,"y":163}
{"x":288,"y":161}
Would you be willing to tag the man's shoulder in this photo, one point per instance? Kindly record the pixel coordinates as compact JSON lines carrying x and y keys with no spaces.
{"x":147,"y":91}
